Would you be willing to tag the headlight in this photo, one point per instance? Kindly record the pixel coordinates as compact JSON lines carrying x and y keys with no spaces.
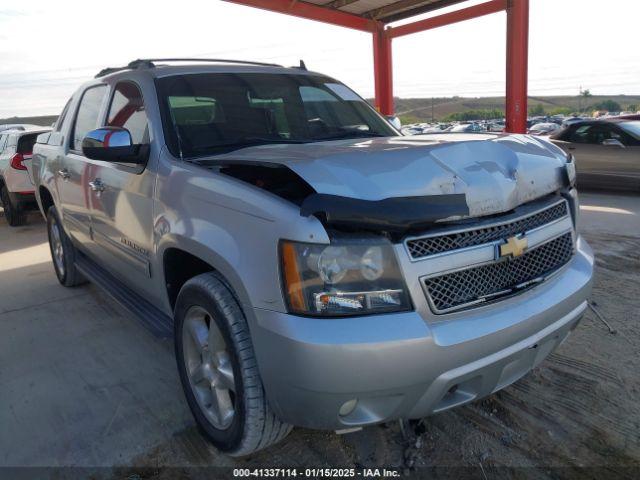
{"x":349,"y":277}
{"x":570,"y":168}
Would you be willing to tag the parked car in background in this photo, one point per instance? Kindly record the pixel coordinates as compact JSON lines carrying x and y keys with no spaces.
{"x":17,"y":126}
{"x":571,"y":120}
{"x":467,"y":128}
{"x":411,"y":130}
{"x":607,"y":152}
{"x":313,"y":266}
{"x":543,"y":128}
{"x":16,"y":186}
{"x":495,"y":127}
{"x":627,"y":117}
{"x":434,"y":129}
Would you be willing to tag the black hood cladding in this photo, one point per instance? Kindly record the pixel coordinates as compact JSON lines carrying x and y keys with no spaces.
{"x":394,"y":215}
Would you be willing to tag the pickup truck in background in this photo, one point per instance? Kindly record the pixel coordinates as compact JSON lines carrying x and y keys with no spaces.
{"x":314,"y":267}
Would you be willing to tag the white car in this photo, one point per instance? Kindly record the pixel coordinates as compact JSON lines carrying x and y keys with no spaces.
{"x":544,"y":128}
{"x":16,"y":186}
{"x":467,"y":128}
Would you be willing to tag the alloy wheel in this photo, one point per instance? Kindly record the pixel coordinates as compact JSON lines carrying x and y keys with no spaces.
{"x":57,"y":248}
{"x":209,"y":368}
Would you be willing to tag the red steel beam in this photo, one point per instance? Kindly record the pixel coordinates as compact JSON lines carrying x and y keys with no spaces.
{"x":383,"y":71}
{"x":517,"y":65}
{"x":312,"y":12}
{"x":461,"y":15}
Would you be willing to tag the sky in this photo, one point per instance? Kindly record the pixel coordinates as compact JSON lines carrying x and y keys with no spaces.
{"x":48,"y":48}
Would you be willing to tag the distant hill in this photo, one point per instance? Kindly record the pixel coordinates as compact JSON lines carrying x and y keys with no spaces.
{"x":45,"y":120}
{"x":420,"y":109}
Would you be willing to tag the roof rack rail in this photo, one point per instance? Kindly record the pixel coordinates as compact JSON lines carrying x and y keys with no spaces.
{"x":149,"y":63}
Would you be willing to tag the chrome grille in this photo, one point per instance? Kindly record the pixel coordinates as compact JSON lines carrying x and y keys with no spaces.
{"x":456,"y":290}
{"x":422,"y":247}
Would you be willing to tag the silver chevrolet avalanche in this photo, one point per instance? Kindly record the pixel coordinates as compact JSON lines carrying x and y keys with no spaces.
{"x":314,"y":267}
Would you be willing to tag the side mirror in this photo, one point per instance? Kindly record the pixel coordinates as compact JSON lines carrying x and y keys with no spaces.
{"x":395,"y":121}
{"x":612,"y":142}
{"x":113,"y":144}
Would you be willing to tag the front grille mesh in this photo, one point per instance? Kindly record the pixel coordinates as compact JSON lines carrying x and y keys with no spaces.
{"x":455,"y":290}
{"x":422,"y":247}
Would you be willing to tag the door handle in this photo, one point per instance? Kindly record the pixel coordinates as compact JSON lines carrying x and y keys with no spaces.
{"x":571,"y":148}
{"x":64,"y":174}
{"x":97,"y":185}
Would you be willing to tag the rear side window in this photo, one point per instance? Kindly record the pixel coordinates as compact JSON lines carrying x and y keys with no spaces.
{"x":127,"y":111}
{"x":26,"y":143}
{"x":87,"y":116}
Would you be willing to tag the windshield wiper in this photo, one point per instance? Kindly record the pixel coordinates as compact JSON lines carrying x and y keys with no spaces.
{"x":245,"y":142}
{"x":349,"y":134}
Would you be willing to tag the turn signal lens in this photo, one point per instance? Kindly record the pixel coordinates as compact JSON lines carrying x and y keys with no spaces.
{"x":292,"y":279}
{"x":571,"y":170}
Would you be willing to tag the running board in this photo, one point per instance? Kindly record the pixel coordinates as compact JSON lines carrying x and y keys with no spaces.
{"x":153,"y":319}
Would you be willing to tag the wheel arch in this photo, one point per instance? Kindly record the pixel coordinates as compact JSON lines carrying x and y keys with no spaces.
{"x":45,"y":199}
{"x":183,"y":258}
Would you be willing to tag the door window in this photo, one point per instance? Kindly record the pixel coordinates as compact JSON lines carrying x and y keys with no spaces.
{"x":594,"y":134}
{"x":87,"y":116}
{"x":127,"y":111}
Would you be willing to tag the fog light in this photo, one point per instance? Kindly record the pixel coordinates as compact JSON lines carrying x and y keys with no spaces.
{"x":348,"y":407}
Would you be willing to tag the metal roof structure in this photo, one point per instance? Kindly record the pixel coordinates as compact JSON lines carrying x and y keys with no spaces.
{"x":375,"y":16}
{"x":385,"y":11}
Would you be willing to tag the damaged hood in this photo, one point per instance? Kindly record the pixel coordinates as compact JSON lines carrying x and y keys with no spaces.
{"x":495,"y":173}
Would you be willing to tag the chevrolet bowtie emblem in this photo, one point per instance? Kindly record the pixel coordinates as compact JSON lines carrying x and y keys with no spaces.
{"x":514,"y":247}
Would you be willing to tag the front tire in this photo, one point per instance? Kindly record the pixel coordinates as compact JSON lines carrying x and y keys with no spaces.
{"x":218,"y":369}
{"x":13,"y":212}
{"x":63,"y":253}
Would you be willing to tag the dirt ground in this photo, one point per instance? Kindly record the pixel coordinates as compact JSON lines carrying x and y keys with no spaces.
{"x":580,"y":408}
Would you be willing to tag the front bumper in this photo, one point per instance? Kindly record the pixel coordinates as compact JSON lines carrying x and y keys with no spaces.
{"x":410,"y":365}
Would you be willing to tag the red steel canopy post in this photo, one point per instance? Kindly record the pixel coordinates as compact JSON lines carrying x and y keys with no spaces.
{"x":383,"y":71}
{"x":517,"y":65}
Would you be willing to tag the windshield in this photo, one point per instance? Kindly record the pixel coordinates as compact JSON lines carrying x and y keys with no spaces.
{"x":632,"y":128}
{"x":214,"y":113}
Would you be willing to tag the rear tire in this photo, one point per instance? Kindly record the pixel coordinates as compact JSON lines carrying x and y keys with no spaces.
{"x":13,"y":212}
{"x":63,"y":253}
{"x":218,"y":369}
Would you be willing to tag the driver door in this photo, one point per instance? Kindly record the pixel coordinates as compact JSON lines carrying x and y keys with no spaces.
{"x":122,"y":197}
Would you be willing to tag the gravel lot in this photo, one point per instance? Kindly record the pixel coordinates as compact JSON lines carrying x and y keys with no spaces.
{"x":83,"y":384}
